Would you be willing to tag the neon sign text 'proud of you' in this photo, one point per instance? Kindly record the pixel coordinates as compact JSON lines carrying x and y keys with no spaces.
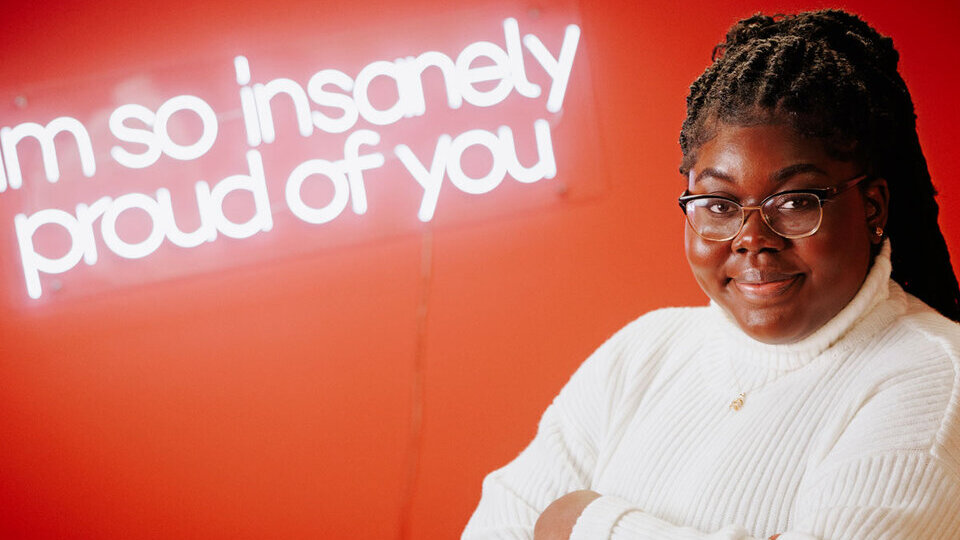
{"x":142,"y":138}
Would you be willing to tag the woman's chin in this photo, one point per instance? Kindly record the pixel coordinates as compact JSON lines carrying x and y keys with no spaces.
{"x":776,"y":325}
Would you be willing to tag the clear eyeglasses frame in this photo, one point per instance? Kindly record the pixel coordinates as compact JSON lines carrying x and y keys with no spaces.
{"x":792,"y":214}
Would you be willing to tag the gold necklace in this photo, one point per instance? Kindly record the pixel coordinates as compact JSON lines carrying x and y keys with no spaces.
{"x":741,"y":398}
{"x":737,"y":403}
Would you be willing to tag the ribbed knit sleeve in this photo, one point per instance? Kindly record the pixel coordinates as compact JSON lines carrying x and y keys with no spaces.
{"x":901,"y":496}
{"x":559,"y":460}
{"x":563,"y":455}
{"x":904,"y":496}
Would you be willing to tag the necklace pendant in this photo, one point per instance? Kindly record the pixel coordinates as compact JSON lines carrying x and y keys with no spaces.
{"x":737,"y":404}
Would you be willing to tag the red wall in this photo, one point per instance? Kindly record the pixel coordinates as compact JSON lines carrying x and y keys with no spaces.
{"x":363,"y":390}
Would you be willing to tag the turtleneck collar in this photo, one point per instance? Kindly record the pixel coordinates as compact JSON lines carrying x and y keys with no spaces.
{"x":877,"y":303}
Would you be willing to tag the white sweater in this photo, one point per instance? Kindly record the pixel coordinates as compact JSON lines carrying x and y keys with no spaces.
{"x":851,"y":433}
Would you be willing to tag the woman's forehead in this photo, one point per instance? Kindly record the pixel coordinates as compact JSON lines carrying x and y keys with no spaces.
{"x":763,"y":158}
{"x":767,"y":146}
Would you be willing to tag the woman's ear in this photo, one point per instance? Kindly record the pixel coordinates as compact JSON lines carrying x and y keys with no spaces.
{"x":876,"y":202}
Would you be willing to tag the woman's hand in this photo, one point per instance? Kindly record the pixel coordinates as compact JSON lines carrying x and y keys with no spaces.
{"x":557,"y":520}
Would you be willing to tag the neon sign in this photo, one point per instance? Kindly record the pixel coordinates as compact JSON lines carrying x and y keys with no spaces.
{"x":483,"y":75}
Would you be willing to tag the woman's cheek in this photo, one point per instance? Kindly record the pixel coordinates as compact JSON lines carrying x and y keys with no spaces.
{"x":706,"y":260}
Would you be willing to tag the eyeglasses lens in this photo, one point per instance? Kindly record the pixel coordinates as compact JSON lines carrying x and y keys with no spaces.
{"x":714,"y":218}
{"x":793,"y":215}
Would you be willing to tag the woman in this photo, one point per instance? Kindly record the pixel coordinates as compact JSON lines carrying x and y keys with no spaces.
{"x":818,"y":396}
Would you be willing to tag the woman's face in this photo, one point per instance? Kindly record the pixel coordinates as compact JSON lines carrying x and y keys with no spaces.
{"x":781,"y":290}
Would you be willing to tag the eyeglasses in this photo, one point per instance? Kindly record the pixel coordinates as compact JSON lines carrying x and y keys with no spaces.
{"x":791,"y":214}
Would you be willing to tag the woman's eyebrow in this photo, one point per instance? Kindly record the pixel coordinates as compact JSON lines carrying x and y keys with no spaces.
{"x":793,"y":170}
{"x":713,"y":173}
{"x":779,"y":176}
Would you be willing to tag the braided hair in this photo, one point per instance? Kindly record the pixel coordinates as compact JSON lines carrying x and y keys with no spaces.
{"x":830,"y":75}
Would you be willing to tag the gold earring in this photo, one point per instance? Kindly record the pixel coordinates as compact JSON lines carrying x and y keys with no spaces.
{"x":879,"y":232}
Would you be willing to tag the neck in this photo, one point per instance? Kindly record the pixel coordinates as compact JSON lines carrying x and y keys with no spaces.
{"x":874,"y":291}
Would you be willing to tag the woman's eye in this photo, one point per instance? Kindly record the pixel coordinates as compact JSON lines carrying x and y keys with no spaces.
{"x":795,"y":203}
{"x":721,"y":207}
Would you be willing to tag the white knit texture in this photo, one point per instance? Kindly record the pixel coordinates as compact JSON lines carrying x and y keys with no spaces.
{"x":851,"y":433}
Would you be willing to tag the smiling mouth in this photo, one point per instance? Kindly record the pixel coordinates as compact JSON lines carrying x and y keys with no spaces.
{"x":766,"y":289}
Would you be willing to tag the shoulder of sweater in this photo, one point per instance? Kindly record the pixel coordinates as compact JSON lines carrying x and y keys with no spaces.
{"x":942,"y":334}
{"x":664,"y":324}
{"x":929,"y":323}
{"x":634,"y":348}
{"x":915,"y":334}
{"x":925,"y":336}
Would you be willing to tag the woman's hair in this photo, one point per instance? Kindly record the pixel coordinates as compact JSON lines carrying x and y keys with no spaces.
{"x":830,"y":75}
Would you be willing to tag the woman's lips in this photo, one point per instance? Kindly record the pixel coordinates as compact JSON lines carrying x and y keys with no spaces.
{"x":761,"y":286}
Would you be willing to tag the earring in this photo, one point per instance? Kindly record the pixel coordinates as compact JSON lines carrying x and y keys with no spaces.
{"x":878,"y":235}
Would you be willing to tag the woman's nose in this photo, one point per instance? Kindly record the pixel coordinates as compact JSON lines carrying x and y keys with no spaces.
{"x":756,"y":235}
